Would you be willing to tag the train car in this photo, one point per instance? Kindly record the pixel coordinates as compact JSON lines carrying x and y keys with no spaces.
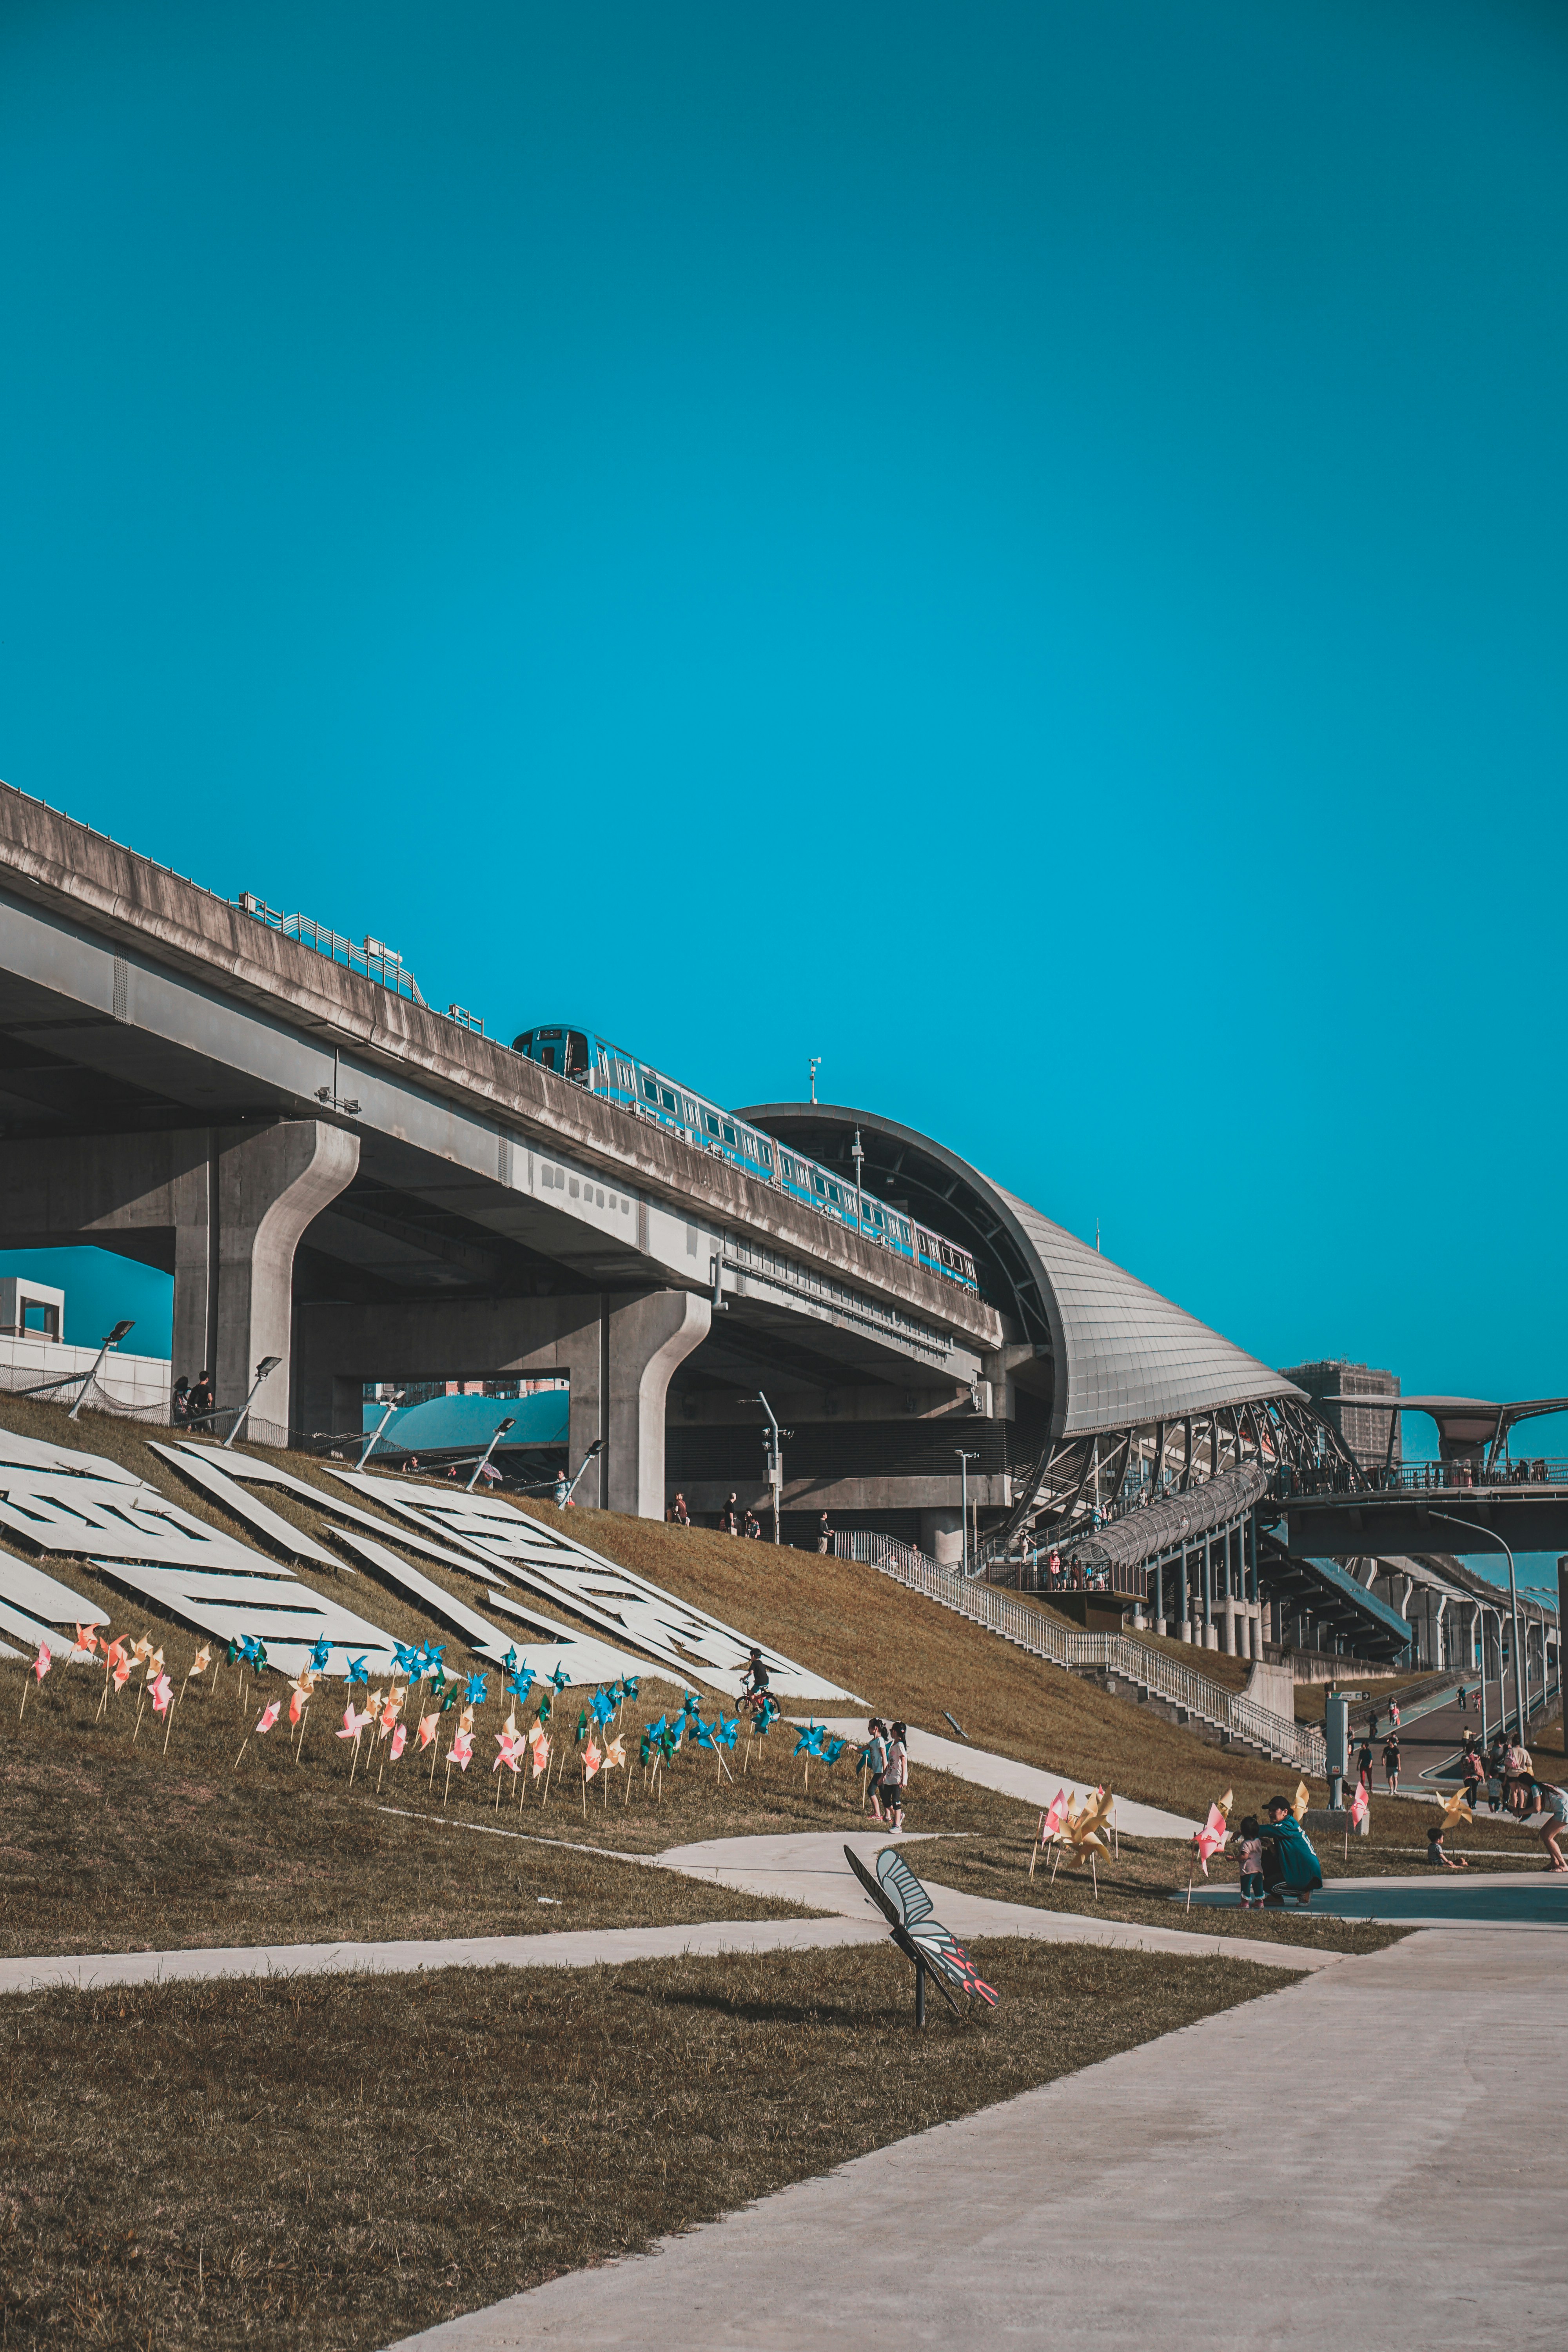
{"x":592,"y":1062}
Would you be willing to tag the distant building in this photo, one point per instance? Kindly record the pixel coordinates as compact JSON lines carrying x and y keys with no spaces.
{"x":1366,"y":1434}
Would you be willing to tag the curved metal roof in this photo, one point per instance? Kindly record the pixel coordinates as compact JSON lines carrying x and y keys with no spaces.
{"x":1121,"y":1354}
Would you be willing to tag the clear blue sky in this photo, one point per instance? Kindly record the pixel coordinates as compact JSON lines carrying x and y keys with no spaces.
{"x":1019,"y":549}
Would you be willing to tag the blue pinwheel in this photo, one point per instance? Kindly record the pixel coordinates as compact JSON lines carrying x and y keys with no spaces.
{"x":477,"y":1695}
{"x":433,"y":1654}
{"x":522,"y":1681}
{"x":724,"y":1731}
{"x":560,"y":1680}
{"x":833,"y":1751}
{"x":693,"y":1705}
{"x":656,"y":1730}
{"x":703,"y":1734}
{"x":629,"y":1686}
{"x":410,"y":1662}
{"x":319,"y":1653}
{"x":359,"y":1670}
{"x":509,"y":1663}
{"x":253,"y":1652}
{"x":812,"y":1740}
{"x":604,"y":1706}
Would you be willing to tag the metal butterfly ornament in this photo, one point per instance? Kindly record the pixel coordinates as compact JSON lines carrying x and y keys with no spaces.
{"x":918,"y":1933}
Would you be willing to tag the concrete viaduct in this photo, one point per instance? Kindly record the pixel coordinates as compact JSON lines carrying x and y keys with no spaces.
{"x":343,"y":1176}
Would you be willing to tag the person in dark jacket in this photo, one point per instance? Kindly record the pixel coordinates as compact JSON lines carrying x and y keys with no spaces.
{"x":1289,"y":1865}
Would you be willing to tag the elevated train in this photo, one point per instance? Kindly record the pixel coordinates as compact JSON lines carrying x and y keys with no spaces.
{"x":608,"y":1070}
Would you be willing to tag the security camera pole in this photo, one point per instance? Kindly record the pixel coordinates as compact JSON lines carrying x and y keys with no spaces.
{"x":268,"y":1364}
{"x":592,"y":1455}
{"x":374,"y":1439}
{"x":112,"y":1340}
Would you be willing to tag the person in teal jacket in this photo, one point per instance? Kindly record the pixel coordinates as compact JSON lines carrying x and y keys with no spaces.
{"x":1289,"y":1865}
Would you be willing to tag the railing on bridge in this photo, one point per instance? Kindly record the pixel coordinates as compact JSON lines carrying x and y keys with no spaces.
{"x":373,"y":959}
{"x":1137,"y":1663}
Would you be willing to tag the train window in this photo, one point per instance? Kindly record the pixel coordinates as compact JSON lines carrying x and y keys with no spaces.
{"x":833,"y":1193}
{"x":548,"y":1033}
{"x":765,"y":1155}
{"x":650,"y":1090}
{"x":667,"y":1099}
{"x":710,"y":1121}
{"x":729,"y":1136}
{"x":576,"y":1053}
{"x":819,"y":1183}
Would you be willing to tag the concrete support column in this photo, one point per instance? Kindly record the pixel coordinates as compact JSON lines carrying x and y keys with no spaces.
{"x":269,"y":1183}
{"x":942,"y":1536}
{"x":649,"y":1336}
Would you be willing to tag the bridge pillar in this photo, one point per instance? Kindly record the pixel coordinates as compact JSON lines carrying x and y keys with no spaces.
{"x":648,"y":1337}
{"x":221,"y":1209}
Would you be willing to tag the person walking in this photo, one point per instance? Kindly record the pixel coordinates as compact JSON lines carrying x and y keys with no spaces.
{"x":729,"y":1516}
{"x":876,"y":1763}
{"x":1391,"y":1763}
{"x":754,"y":1526}
{"x":679,"y":1512}
{"x":204,"y":1399}
{"x":1518,"y":1777}
{"x":896,"y":1775}
{"x":823,"y":1534}
{"x":180,"y":1404}
{"x":1472,"y":1767}
{"x":1364,"y":1765}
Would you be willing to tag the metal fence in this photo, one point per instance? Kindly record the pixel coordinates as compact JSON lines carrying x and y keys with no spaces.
{"x":1137,"y":1663}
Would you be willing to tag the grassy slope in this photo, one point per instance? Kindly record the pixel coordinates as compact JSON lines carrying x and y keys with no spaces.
{"x":334,"y":2163}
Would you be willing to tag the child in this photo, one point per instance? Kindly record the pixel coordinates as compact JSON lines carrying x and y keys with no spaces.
{"x":896,"y":1775}
{"x":877,"y":1761}
{"x":1249,"y":1854}
{"x":1435,"y":1857}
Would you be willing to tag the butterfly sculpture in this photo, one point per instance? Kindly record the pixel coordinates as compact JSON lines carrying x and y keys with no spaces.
{"x":918,"y":1933}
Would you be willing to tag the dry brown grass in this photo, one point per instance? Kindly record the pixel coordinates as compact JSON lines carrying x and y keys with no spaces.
{"x":332,"y":2163}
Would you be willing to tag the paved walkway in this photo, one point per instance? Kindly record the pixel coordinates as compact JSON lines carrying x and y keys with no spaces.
{"x":1250,"y":2182}
{"x":807,"y":1869}
{"x":1011,"y":1779}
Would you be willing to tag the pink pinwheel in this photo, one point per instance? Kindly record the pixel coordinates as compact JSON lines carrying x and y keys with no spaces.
{"x":538,"y":1741}
{"x":163,"y":1692}
{"x":592,"y":1759}
{"x":391,"y":1710}
{"x":297,"y":1702}
{"x":462,"y":1754}
{"x":427,"y":1728}
{"x":1056,"y":1817}
{"x":41,"y":1663}
{"x":399,"y":1739}
{"x":1361,"y":1804}
{"x":353,"y":1722}
{"x":268,"y":1716}
{"x":1211,"y":1839}
{"x":122,"y":1671}
{"x":85,"y":1639}
{"x":507,"y":1742}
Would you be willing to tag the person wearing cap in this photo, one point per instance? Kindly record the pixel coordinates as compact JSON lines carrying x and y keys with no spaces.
{"x":1289,"y":1865}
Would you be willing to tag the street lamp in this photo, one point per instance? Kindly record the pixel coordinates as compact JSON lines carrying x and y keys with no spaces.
{"x":501,"y":1430}
{"x":268,"y":1364}
{"x":775,"y":1459}
{"x":815,"y":1066}
{"x":111,"y":1340}
{"x":964,"y":1462}
{"x":1513,"y":1603}
{"x":374,"y":1439}
{"x":592,"y":1455}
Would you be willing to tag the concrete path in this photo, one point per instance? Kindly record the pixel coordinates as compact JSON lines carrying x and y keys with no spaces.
{"x":1253,"y":2181}
{"x":810,"y":1868}
{"x":1011,"y":1779}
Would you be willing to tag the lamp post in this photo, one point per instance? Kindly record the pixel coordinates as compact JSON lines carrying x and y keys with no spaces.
{"x":374,"y":1438}
{"x":858,"y":1154}
{"x":593,"y":1455}
{"x":111,"y":1340}
{"x":964,"y":1462}
{"x":268,"y":1364}
{"x":500,"y":1431}
{"x":775,"y":1459}
{"x":1513,"y":1605}
{"x":815,"y":1066}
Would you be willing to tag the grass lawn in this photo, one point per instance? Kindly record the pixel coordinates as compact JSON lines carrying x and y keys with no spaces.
{"x":334,"y":2163}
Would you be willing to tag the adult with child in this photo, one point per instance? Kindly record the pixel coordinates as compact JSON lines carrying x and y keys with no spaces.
{"x":1289,"y":1863}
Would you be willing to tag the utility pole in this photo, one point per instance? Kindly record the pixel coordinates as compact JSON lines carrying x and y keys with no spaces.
{"x":964,"y":1462}
{"x":815,"y":1066}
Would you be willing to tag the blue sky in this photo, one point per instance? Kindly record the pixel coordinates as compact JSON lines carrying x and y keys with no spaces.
{"x":1017,"y":550}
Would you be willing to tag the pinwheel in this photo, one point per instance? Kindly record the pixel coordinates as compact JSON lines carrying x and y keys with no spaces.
{"x":202,"y":1660}
{"x":669,"y":1744}
{"x":701,"y":1735}
{"x":645,"y":1749}
{"x":359,"y":1672}
{"x":629,"y":1686}
{"x":142,"y":1649}
{"x":319,"y":1653}
{"x":399,"y":1741}
{"x":539,"y":1746}
{"x":560,"y":1680}
{"x":353,"y":1721}
{"x":1051,"y":1821}
{"x":1301,"y":1801}
{"x":38,"y":1669}
{"x":833,"y":1750}
{"x":391,"y":1710}
{"x":604,"y":1706}
{"x":810,"y":1738}
{"x":466,"y":1720}
{"x":410,"y":1661}
{"x":509,"y":1663}
{"x":298,"y":1699}
{"x":615,"y":1753}
{"x":163,"y":1693}
{"x":1211,"y":1839}
{"x":462,"y":1751}
{"x":691,"y":1704}
{"x":1081,"y":1831}
{"x":122,"y":1671}
{"x":592,"y":1759}
{"x":581,"y":1727}
{"x":507,"y":1742}
{"x":521,"y":1682}
{"x":655,"y":1731}
{"x":477,"y":1694}
{"x":543,"y":1707}
{"x":85,"y":1639}
{"x":725,"y":1730}
{"x":428,"y":1726}
{"x":268,"y":1717}
{"x":435,"y":1652}
{"x":449,"y":1697}
{"x":918,"y":1933}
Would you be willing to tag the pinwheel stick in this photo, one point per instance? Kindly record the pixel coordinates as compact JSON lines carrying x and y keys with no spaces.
{"x":170,"y":1725}
{"x":1056,"y":1862}
{"x":244,"y":1745}
{"x":141,"y":1702}
{"x":1094,"y":1873}
{"x":299,"y":1743}
{"x":1189,"y":1890}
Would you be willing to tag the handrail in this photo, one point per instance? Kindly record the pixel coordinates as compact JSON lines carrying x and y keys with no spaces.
{"x":1064,"y":1645}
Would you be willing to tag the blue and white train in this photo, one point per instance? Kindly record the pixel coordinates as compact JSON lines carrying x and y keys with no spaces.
{"x":608,"y":1070}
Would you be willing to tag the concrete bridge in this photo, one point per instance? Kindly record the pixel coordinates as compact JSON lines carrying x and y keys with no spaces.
{"x":339,"y":1175}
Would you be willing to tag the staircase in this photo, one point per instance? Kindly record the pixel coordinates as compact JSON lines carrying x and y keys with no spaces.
{"x":1125,"y":1669}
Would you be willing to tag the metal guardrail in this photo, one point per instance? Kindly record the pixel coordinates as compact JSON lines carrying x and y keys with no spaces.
{"x":1135,"y":1662}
